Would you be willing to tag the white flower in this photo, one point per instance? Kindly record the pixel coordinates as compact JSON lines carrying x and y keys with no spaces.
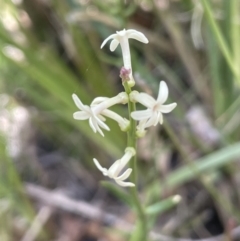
{"x":122,"y":38}
{"x":116,"y":168}
{"x":153,"y":114}
{"x":97,"y":109}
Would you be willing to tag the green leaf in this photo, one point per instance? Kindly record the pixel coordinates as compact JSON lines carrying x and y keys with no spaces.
{"x":160,"y":207}
{"x":220,"y":38}
{"x":205,"y":164}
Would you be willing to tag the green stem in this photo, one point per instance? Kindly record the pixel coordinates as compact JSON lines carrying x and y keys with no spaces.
{"x":132,"y":142}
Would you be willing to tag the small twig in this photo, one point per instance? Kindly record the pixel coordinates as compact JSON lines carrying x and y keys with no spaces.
{"x":39,"y":221}
{"x":59,"y":200}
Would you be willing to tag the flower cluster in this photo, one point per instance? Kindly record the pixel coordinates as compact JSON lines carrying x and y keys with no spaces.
{"x":153,"y":114}
{"x":98,"y":110}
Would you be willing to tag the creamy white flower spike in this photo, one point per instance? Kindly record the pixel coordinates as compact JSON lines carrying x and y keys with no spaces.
{"x":153,"y":114}
{"x":114,"y":170}
{"x":96,"y":110}
{"x":122,"y":38}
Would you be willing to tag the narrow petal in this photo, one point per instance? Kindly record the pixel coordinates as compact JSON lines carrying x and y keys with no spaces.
{"x":157,"y":118}
{"x":125,"y":184}
{"x":92,"y":125}
{"x":108,"y":38}
{"x":114,"y":44}
{"x":81,"y":115}
{"x":100,"y":168}
{"x":152,"y":120}
{"x":162,"y":92}
{"x":160,"y":118}
{"x":101,"y":123}
{"x":141,"y":114}
{"x":95,"y":125}
{"x":112,"y":170}
{"x":78,"y":102}
{"x":141,"y":125}
{"x":99,"y":130}
{"x":137,"y":36}
{"x":167,"y":108}
{"x":125,"y":175}
{"x":145,"y":100}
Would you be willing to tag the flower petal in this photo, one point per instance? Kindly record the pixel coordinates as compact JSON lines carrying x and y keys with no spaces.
{"x":125,"y":184}
{"x":141,"y":114}
{"x":99,"y":130}
{"x":92,"y":124}
{"x":167,"y":108}
{"x":162,"y":92}
{"x":145,"y":100}
{"x":81,"y":115}
{"x":114,"y":44}
{"x":78,"y":102}
{"x":101,"y":123}
{"x":131,"y":33}
{"x":95,"y":124}
{"x":160,"y":118}
{"x":125,"y":175}
{"x":157,"y":118}
{"x":108,"y":38}
{"x":100,"y":168}
{"x":141,"y":125}
{"x":112,"y":170}
{"x":152,"y":120}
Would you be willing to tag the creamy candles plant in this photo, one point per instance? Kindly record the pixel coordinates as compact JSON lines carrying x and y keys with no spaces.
{"x":98,"y":110}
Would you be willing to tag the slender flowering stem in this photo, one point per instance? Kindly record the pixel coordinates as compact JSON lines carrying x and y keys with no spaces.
{"x":132,"y":142}
{"x":98,"y":110}
{"x":121,"y":37}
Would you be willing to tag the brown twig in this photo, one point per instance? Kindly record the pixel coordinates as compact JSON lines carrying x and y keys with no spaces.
{"x":59,"y":200}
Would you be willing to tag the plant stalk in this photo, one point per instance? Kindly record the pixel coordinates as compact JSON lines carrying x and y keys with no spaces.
{"x":132,"y":142}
